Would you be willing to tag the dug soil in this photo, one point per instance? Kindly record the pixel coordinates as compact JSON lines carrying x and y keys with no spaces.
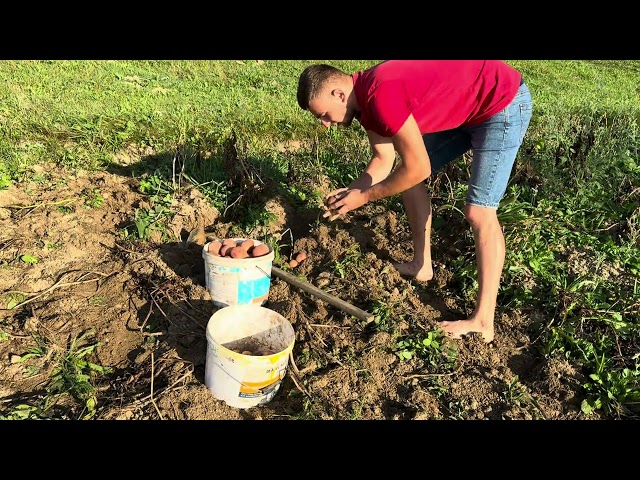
{"x":73,"y":288}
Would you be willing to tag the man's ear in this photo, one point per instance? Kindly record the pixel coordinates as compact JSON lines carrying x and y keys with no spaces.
{"x":339,"y":93}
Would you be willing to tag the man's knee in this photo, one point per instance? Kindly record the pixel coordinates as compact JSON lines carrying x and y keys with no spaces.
{"x":480,"y":216}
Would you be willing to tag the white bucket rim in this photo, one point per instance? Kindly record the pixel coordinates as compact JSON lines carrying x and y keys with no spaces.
{"x":232,"y":309}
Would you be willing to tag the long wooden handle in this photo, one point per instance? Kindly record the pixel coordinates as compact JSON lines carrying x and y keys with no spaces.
{"x":327,"y":297}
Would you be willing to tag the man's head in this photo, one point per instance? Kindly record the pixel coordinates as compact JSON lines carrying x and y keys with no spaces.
{"x":327,"y":93}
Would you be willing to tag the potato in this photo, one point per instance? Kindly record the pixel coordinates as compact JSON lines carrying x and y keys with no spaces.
{"x":300,"y":257}
{"x":238,"y":252}
{"x":293,"y":263}
{"x":230,"y":242}
{"x":214,"y":248}
{"x":225,"y":250}
{"x":247,"y":244}
{"x":260,"y":250}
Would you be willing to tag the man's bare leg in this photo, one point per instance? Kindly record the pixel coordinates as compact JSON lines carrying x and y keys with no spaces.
{"x":490,"y":251}
{"x":417,"y":205}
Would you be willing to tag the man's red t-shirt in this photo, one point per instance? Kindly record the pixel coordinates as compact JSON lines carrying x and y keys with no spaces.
{"x":441,"y":94}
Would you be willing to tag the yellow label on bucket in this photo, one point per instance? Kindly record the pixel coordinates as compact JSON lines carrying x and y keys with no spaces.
{"x":268,"y":376}
{"x":251,"y":389}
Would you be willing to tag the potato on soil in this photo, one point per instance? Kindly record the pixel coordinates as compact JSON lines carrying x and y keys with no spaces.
{"x":300,"y":257}
{"x":293,"y":263}
{"x":260,"y":250}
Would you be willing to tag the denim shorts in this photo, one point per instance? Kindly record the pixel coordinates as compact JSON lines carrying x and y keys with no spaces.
{"x":494,"y":144}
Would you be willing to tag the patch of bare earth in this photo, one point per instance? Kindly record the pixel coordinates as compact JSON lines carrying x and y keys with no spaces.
{"x":90,"y":280}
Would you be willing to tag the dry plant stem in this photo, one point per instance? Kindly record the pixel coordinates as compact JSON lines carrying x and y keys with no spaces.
{"x":153,"y":334}
{"x":17,"y":336}
{"x":319,"y":339}
{"x":6,"y":243}
{"x":228,"y":207}
{"x":328,"y":326}
{"x":300,"y":387}
{"x":147,"y":398}
{"x":144,"y":322}
{"x":315,"y":335}
{"x":153,"y":298}
{"x":176,"y":157}
{"x":195,"y":320}
{"x":310,"y":368}
{"x":288,"y":230}
{"x":59,"y":285}
{"x":243,"y":168}
{"x":293,"y":363}
{"x":175,"y":410}
{"x":295,"y":375}
{"x":429,"y":375}
{"x":246,"y":171}
{"x":299,"y":373}
{"x":168,"y":319}
{"x":152,"y":399}
{"x":124,"y":249}
{"x":43,"y":204}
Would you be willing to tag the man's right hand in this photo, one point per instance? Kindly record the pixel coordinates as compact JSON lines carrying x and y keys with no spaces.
{"x":341,"y":201}
{"x":331,"y":210}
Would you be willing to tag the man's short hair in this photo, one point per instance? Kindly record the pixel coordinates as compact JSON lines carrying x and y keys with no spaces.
{"x":311,"y":81}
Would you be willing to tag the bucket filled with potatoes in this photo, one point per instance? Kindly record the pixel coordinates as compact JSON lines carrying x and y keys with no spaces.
{"x":238,"y":271}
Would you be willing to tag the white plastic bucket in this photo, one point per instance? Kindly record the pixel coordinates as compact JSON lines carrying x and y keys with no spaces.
{"x":238,"y":281}
{"x":240,"y":379}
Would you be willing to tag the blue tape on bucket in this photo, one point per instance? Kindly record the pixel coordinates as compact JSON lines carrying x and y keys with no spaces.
{"x":250,"y":289}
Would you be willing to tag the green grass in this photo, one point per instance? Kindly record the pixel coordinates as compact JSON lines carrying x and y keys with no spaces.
{"x":574,"y":193}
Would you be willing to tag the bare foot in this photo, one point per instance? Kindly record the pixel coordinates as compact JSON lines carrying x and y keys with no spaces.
{"x":416,"y":270}
{"x":459,"y":328}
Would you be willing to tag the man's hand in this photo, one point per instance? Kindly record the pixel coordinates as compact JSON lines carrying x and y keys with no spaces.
{"x":340,"y":202}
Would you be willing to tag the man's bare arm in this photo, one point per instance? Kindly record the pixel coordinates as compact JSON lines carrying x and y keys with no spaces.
{"x":382,"y":160}
{"x":414,"y":168}
{"x":376,"y":182}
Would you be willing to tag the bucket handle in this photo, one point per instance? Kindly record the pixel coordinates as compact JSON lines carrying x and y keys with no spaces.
{"x":268,"y":274}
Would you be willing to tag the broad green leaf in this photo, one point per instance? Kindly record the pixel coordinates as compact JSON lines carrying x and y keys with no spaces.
{"x":29,"y":259}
